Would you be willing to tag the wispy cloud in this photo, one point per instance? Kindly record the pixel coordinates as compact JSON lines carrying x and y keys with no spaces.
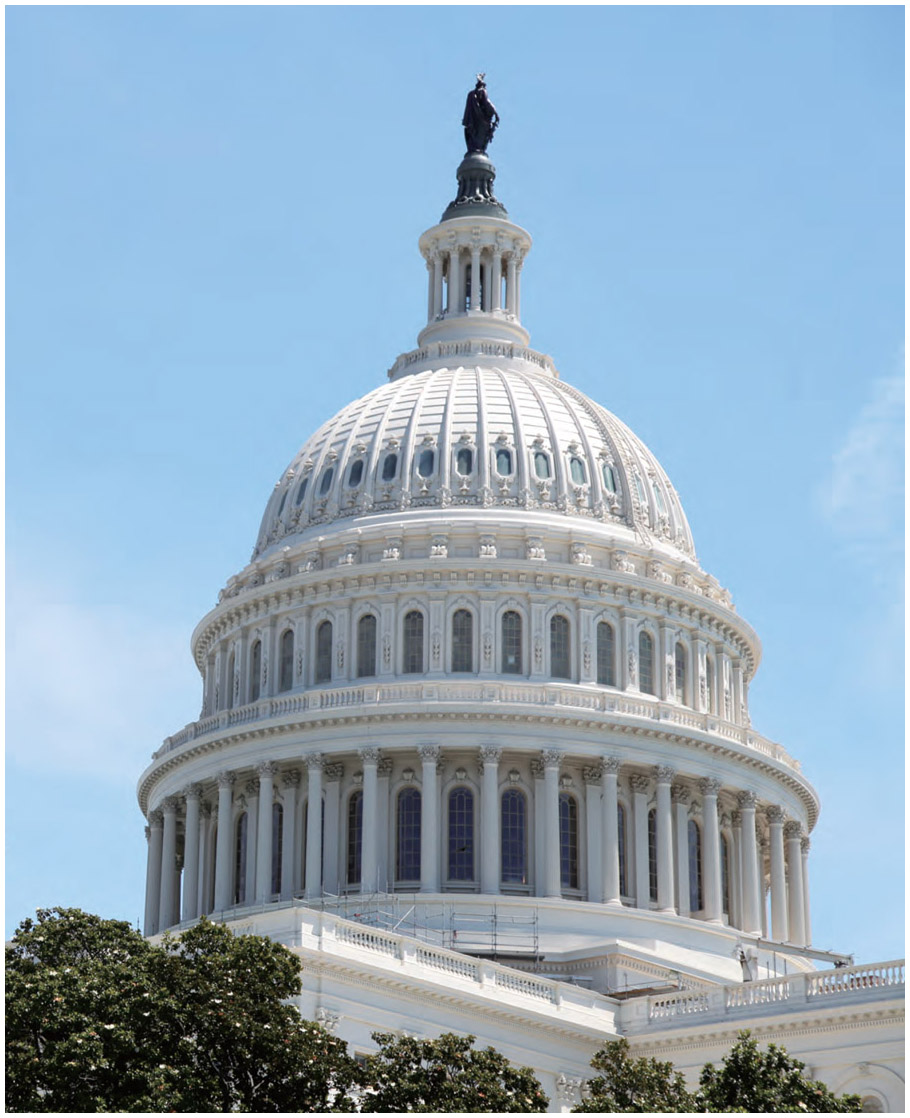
{"x":91,"y":688}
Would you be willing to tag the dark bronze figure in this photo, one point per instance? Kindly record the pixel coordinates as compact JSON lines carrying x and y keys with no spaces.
{"x":480,"y":118}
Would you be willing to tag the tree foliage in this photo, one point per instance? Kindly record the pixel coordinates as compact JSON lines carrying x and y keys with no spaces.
{"x":634,"y":1086}
{"x":446,"y":1075}
{"x":767,"y":1081}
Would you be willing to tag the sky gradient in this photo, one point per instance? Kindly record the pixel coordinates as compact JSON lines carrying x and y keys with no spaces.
{"x":211,"y":228}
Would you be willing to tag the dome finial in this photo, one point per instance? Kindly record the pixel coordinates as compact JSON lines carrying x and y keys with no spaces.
{"x":480,"y":118}
{"x":476,"y":173}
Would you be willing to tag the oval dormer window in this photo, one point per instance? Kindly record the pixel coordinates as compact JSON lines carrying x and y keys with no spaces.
{"x":284,"y":498}
{"x":577,"y":471}
{"x":640,"y":489}
{"x":464,"y":461}
{"x":326,"y":483}
{"x":659,"y":498}
{"x":426,"y":462}
{"x":389,"y":467}
{"x":504,"y":463}
{"x":541,"y":465}
{"x":301,"y":491}
{"x":609,"y":478}
{"x":355,"y":474}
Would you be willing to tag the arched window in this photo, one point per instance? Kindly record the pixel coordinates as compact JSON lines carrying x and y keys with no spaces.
{"x":366,"y":646}
{"x":640,"y":490}
{"x":621,"y":844}
{"x":407,"y":838}
{"x":542,"y":465}
{"x":646,"y":663}
{"x":425,"y":462}
{"x":609,"y":478}
{"x":255,"y":670}
{"x":511,"y":643}
{"x":324,"y":652}
{"x":277,"y":846}
{"x":514,"y":838}
{"x":230,"y":681}
{"x":240,"y":841}
{"x":355,"y":836}
{"x":413,"y":643}
{"x":301,"y":492}
{"x":326,"y":483}
{"x":696,"y":895}
{"x":725,"y":874}
{"x":680,"y":657}
{"x":461,"y":835}
{"x":659,"y":499}
{"x":652,"y":854}
{"x":284,"y":498}
{"x":286,"y":661}
{"x":709,"y":673}
{"x":568,"y":841}
{"x":462,"y":641}
{"x":355,"y":473}
{"x":577,"y":471}
{"x":560,"y":662}
{"x":606,"y":654}
{"x":389,"y":467}
{"x":464,"y":461}
{"x":504,"y":463}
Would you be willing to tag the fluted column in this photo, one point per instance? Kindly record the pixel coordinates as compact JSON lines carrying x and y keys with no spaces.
{"x":804,"y":852}
{"x":331,"y":827}
{"x":266,"y":772}
{"x":511,"y":276}
{"x":594,"y":844}
{"x":168,"y":858}
{"x":456,"y":294}
{"x":552,"y":876}
{"x":153,"y":873}
{"x":251,"y":788}
{"x":431,"y":288}
{"x":313,"y":880}
{"x":611,"y":882}
{"x":490,"y":868}
{"x":779,"y":922}
{"x":475,"y":276}
{"x":679,"y":796}
{"x":796,"y":907}
{"x":736,"y":892}
{"x":641,"y":786}
{"x":713,"y":898}
{"x":191,"y":853}
{"x":496,"y":303}
{"x":429,"y":819}
{"x":369,"y":861}
{"x":664,"y":830}
{"x":290,"y":782}
{"x":437,"y":284}
{"x":751,"y":878}
{"x":206,"y":859}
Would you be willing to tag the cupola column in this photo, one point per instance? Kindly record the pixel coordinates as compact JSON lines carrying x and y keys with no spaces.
{"x":594,"y":874}
{"x":804,"y":852}
{"x":517,"y":299}
{"x":736,"y":892}
{"x":290,"y":782}
{"x":369,"y":861}
{"x":779,"y":923}
{"x":475,"y":275}
{"x":456,"y":297}
{"x":751,"y":881}
{"x":641,"y":787}
{"x":266,"y":773}
{"x":490,"y":872}
{"x":552,"y":877}
{"x":611,"y":883}
{"x":429,"y":819}
{"x":437,"y":284}
{"x":431,"y":288}
{"x":313,"y":879}
{"x":331,"y":814}
{"x":496,"y":282}
{"x":153,"y":874}
{"x":168,"y":899}
{"x":223,"y":844}
{"x":191,"y":853}
{"x":713,"y":899}
{"x":664,"y":828}
{"x":795,"y":896}
{"x":680,"y":798}
{"x":511,"y":279}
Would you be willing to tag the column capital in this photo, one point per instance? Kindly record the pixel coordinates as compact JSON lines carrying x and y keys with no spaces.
{"x":792,"y":829}
{"x":490,"y":754}
{"x":804,"y":844}
{"x":710,"y":786}
{"x":747,"y":800}
{"x":148,"y":833}
{"x":192,"y":791}
{"x":428,"y":753}
{"x":370,"y":755}
{"x":611,"y":765}
{"x":290,"y":779}
{"x":665,"y":774}
{"x":205,"y":809}
{"x":679,"y":794}
{"x":267,"y":768}
{"x":774,"y":814}
{"x":313,"y":760}
{"x":384,"y":768}
{"x":592,"y":774}
{"x":551,"y":758}
{"x":252,"y":787}
{"x":333,"y":772}
{"x":226,"y":779}
{"x":736,"y":818}
{"x":640,"y":783}
{"x":156,"y":819}
{"x":169,"y":805}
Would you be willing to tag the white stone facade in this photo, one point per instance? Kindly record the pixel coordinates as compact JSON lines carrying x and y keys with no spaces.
{"x":475,"y":737}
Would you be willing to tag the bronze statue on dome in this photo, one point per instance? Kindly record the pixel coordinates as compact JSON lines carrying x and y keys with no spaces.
{"x":480,"y":118}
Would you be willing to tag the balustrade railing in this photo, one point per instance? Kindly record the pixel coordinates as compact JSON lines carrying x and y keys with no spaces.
{"x":846,"y":980}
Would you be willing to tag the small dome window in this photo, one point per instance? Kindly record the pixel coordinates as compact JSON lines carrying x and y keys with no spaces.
{"x":609,"y":477}
{"x":426,"y":462}
{"x":301,"y":491}
{"x":577,"y":471}
{"x":326,"y":483}
{"x":389,"y":467}
{"x":464,"y":461}
{"x":504,"y":463}
{"x":355,"y":474}
{"x":541,"y":464}
{"x":284,"y":497}
{"x":640,"y":489}
{"x":659,"y":498}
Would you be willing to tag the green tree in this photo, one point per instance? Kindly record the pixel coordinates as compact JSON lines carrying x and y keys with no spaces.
{"x":767,"y":1081}
{"x":98,"y":1019}
{"x":446,"y":1075}
{"x":634,"y":1086}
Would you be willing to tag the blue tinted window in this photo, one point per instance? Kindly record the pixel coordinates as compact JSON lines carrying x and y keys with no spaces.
{"x":355,"y":837}
{"x":425,"y":463}
{"x":326,"y":483}
{"x":606,"y":654}
{"x":514,"y":838}
{"x":577,"y":471}
{"x":541,"y":465}
{"x":461,"y":835}
{"x":568,"y":841}
{"x":301,"y":491}
{"x":355,"y":473}
{"x":609,"y":478}
{"x":504,"y":462}
{"x":407,"y":852}
{"x":464,"y":461}
{"x":389,"y":467}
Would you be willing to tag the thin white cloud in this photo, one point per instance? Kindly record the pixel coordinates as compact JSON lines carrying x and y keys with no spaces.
{"x":91,"y":688}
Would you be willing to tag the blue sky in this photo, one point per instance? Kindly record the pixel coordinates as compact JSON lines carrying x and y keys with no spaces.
{"x":211,"y":227}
